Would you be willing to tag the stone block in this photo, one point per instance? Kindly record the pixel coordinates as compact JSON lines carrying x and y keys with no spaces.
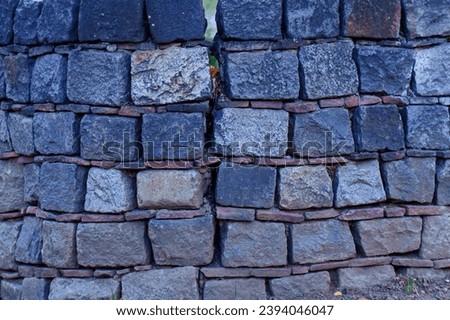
{"x":156,"y":77}
{"x":170,"y":189}
{"x":425,"y":18}
{"x":58,"y":21}
{"x":245,"y":186}
{"x":250,"y":132}
{"x":428,"y":274}
{"x":253,"y":244}
{"x":235,"y":289}
{"x":364,"y":278}
{"x":321,"y":241}
{"x":35,"y":289}
{"x":386,"y":236}
{"x":9,"y":233}
{"x":7,"y":11}
{"x":163,"y":284}
{"x":48,"y":80}
{"x":358,"y":183}
{"x":2,"y":78}
{"x":435,"y":238}
{"x":112,"y":244}
{"x":18,"y":77}
{"x":25,"y":22}
{"x":59,"y":244}
{"x":5,"y":141}
{"x":29,"y":243}
{"x":11,"y":186}
{"x":99,"y":78}
{"x":84,"y":289}
{"x":62,"y":187}
{"x":327,"y":132}
{"x":31,"y":182}
{"x":301,"y":286}
{"x":106,"y":20}
{"x":11,"y":289}
{"x":275,"y":77}
{"x":443,"y":183}
{"x":183,"y":242}
{"x":328,"y":70}
{"x":21,"y":133}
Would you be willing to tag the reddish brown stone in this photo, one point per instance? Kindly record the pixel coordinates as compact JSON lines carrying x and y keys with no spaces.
{"x":281,"y":216}
{"x":270,"y":272}
{"x":69,"y":217}
{"x":103,"y":164}
{"x":161,"y":109}
{"x":393,"y":155}
{"x":132,"y":111}
{"x":46,"y":107}
{"x":169,"y":164}
{"x":328,"y":266}
{"x":140,"y":215}
{"x":102,"y":218}
{"x":205,"y":162}
{"x":11,"y":215}
{"x":225,"y":272}
{"x":122,"y":272}
{"x":361,"y":214}
{"x":31,"y":210}
{"x":46,"y":272}
{"x":77,"y":273}
{"x":368,"y":262}
{"x":332,"y":103}
{"x":301,"y":106}
{"x":299,"y":270}
{"x":8,"y":155}
{"x":242,"y":160}
{"x":392,"y":211}
{"x":327,"y":161}
{"x":9,"y":275}
{"x":287,"y":162}
{"x":399,"y":101}
{"x":236,"y":214}
{"x":412,"y":210}
{"x":105,"y":110}
{"x":75,"y":160}
{"x":45,"y":214}
{"x":369,"y":100}
{"x":75,"y":108}
{"x":352,"y":102}
{"x":267,"y":105}
{"x":321,"y":214}
{"x":143,"y":268}
{"x":17,"y":107}
{"x":438,"y":264}
{"x":26,"y":271}
{"x":25,"y":160}
{"x":180,"y":214}
{"x":233,"y":104}
{"x":412,"y":262}
{"x":104,"y":273}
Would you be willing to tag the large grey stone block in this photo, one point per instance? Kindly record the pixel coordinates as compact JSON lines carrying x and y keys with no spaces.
{"x":84,"y":289}
{"x":21,"y":133}
{"x":7,"y":11}
{"x":18,"y":77}
{"x":425,"y":18}
{"x":11,"y":186}
{"x":59,"y":244}
{"x":435,"y":238}
{"x":156,"y":76}
{"x":300,"y":287}
{"x":48,"y":80}
{"x":11,"y":289}
{"x":443,"y":183}
{"x":58,"y":21}
{"x":35,"y":289}
{"x":2,"y":78}
{"x":26,"y":20}
{"x":5,"y":141}
{"x":31,"y":182}
{"x":29,"y":243}
{"x":363,"y":278}
{"x":235,"y":289}
{"x":9,"y":233}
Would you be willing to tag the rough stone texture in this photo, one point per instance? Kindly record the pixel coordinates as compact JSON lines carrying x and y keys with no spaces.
{"x":378,"y":19}
{"x":435,"y":238}
{"x":25,"y":21}
{"x":235,"y":289}
{"x":31,"y":182}
{"x":48,"y":80}
{"x":11,"y":289}
{"x":29,"y":243}
{"x":443,"y":183}
{"x":358,"y":183}
{"x":58,"y":21}
{"x":174,"y":189}
{"x":96,"y":77}
{"x":323,"y":133}
{"x":18,"y":77}
{"x":173,"y":136}
{"x":321,"y":241}
{"x":58,"y":244}
{"x":2,"y":78}
{"x":253,"y":244}
{"x":328,"y":70}
{"x":250,"y":132}
{"x":234,"y":22}
{"x":164,"y":284}
{"x":109,"y":191}
{"x":245,"y":186}
{"x":363,"y":278}
{"x":305,"y":187}
{"x":429,"y":274}
{"x":386,"y":236}
{"x":5,"y":141}
{"x":184,"y":242}
{"x":35,"y":289}
{"x":7,"y":11}
{"x":21,"y":133}
{"x":62,"y":187}
{"x":170,"y":76}
{"x":172,"y":21}
{"x":106,"y":20}
{"x":84,"y":289}
{"x":299,"y":287}
{"x":11,"y":186}
{"x":262,"y":75}
{"x":9,"y":233}
{"x":112,"y":244}
{"x":56,"y":133}
{"x":378,"y":128}
{"x":385,"y":70}
{"x":430,"y":77}
{"x":426,"y":18}
{"x":410,"y":179}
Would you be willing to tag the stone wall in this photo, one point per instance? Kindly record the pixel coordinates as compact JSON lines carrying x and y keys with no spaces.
{"x":318,"y":159}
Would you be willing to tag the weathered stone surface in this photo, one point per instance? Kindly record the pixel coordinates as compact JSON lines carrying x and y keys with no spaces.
{"x":279,"y":216}
{"x":385,"y":70}
{"x":5,"y":141}
{"x":236,"y":214}
{"x":164,"y":284}
{"x":250,"y":132}
{"x":9,"y":233}
{"x":412,"y":262}
{"x":25,"y":21}
{"x":245,"y":186}
{"x":385,"y":236}
{"x":426,"y":18}
{"x":358,"y":183}
{"x":299,"y":287}
{"x":235,"y":289}
{"x":443,"y":183}
{"x":173,"y":135}
{"x":56,"y":133}
{"x":410,"y":179}
{"x":2,"y":78}
{"x":305,"y":187}
{"x":234,"y":22}
{"x":11,"y":186}
{"x":253,"y":244}
{"x":327,"y":70}
{"x":48,"y":80}
{"x":363,"y":278}
{"x":21,"y":133}
{"x":96,"y":77}
{"x":29,"y":243}
{"x":31,"y":182}
{"x":18,"y":77}
{"x":105,"y":20}
{"x":62,"y":187}
{"x":109,"y":191}
{"x":58,"y":244}
{"x":184,"y":242}
{"x":275,"y":78}
{"x":361,"y":214}
{"x":11,"y":289}
{"x":112,"y":244}
{"x":58,"y":21}
{"x":7,"y":11}
{"x":321,"y":241}
{"x":429,"y":274}
{"x":170,"y":189}
{"x":376,"y":19}
{"x":176,"y":20}
{"x":35,"y":289}
{"x":435,"y":238}
{"x":430,"y":77}
{"x":84,"y":289}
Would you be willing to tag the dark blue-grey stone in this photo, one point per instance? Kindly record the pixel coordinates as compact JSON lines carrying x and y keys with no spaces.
{"x":9,"y":232}
{"x":109,"y":138}
{"x":5,"y":141}
{"x":56,"y":133}
{"x":2,"y":79}
{"x":173,"y":136}
{"x":328,"y":70}
{"x":62,"y":187}
{"x":180,"y":20}
{"x":100,"y":78}
{"x":306,"y":19}
{"x":378,"y":128}
{"x":11,"y":289}
{"x":249,"y":19}
{"x":425,"y":18}
{"x":25,"y":22}
{"x":35,"y":289}
{"x":29,"y":243}
{"x":31,"y":182}
{"x":245,"y":186}
{"x":7,"y":11}
{"x":111,"y":21}
{"x":11,"y":186}
{"x":21,"y":133}
{"x":18,"y":77}
{"x":48,"y":80}
{"x":443,"y":183}
{"x":326,"y":132}
{"x":385,"y":70}
{"x":58,"y":21}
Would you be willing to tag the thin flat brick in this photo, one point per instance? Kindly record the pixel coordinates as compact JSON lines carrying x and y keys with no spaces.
{"x":179,"y":214}
{"x":412,"y":262}
{"x":217,"y":272}
{"x":236,"y":214}
{"x":280,"y":216}
{"x":321,"y":214}
{"x":270,"y":272}
{"x":412,"y":210}
{"x":442,"y":264}
{"x":368,"y":262}
{"x":328,"y":266}
{"x":361,"y":214}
